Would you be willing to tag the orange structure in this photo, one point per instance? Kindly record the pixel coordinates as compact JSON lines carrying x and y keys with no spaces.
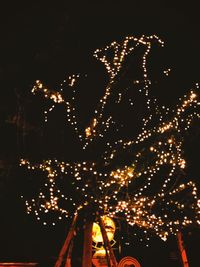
{"x":65,"y":253}
{"x":182,"y":250}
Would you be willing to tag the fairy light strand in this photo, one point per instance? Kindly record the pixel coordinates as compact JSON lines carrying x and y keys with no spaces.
{"x":157,"y":151}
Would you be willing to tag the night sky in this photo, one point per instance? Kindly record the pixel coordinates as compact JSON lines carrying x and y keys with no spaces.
{"x":50,"y":40}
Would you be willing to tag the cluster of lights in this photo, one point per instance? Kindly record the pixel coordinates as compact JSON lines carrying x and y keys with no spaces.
{"x":141,"y":211}
{"x":166,"y":72}
{"x":156,"y":152}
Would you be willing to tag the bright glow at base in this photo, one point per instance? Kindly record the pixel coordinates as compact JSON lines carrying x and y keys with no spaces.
{"x":109,"y":227}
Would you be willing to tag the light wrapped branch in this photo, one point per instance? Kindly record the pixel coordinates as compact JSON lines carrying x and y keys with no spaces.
{"x":147,"y":187}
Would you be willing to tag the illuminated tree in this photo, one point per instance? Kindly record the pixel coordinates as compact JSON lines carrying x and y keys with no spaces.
{"x":135,"y":172}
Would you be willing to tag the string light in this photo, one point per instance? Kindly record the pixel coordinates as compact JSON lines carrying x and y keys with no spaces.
{"x":156,"y":154}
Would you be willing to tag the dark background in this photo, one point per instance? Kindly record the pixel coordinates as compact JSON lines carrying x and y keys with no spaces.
{"x":49,"y":40}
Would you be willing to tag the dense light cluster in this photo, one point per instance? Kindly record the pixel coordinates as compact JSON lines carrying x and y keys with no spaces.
{"x":147,"y":190}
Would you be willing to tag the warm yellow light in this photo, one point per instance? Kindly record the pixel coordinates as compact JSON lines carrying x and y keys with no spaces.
{"x":109,"y":227}
{"x":100,"y":253}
